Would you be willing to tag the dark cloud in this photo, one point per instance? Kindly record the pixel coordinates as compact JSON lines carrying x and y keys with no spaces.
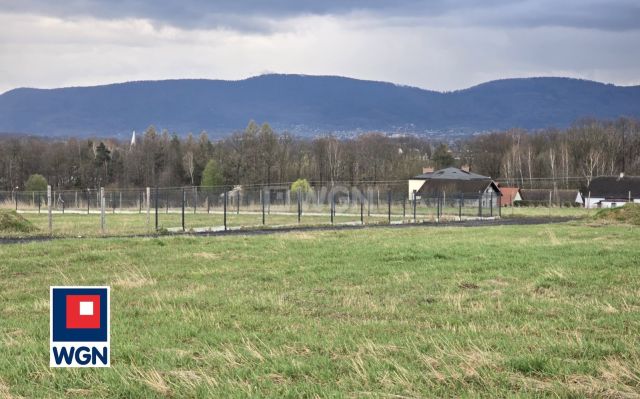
{"x":264,"y":14}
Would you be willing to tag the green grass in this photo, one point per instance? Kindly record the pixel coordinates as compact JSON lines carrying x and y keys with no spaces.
{"x":530,"y":311}
{"x":72,"y":224}
{"x":554,"y":211}
{"x":78,"y":224}
{"x":630,"y":213}
{"x":12,"y":222}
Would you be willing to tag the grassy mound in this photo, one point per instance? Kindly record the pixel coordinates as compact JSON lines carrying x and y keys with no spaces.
{"x":630,"y":213}
{"x":12,"y":222}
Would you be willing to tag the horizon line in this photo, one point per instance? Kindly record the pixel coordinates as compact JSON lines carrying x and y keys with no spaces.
{"x":316,"y":76}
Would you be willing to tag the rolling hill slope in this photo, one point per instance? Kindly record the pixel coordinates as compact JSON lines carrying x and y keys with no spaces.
{"x":308,"y":105}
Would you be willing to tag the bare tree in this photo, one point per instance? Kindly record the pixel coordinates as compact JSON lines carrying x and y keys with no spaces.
{"x":591,"y":164}
{"x":189,"y":165}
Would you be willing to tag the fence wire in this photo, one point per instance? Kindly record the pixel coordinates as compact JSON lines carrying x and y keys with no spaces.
{"x":140,"y":211}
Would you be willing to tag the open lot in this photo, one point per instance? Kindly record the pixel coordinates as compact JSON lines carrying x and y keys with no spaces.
{"x":74,"y":224}
{"x":546,"y":310}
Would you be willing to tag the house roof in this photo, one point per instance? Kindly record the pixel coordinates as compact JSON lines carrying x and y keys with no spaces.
{"x":614,"y":187}
{"x":454,"y":181}
{"x":455,"y":187}
{"x":451,"y":173}
{"x":509,"y":193}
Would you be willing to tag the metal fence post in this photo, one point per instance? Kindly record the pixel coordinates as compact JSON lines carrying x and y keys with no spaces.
{"x":195,"y":199}
{"x":120,"y":203}
{"x":369,"y":198}
{"x":443,"y":203}
{"x":267,"y":199}
{"x":102,"y":203}
{"x":491,"y":204}
{"x":156,"y":203}
{"x":332,"y":206}
{"x":148,"y":207}
{"x":224,"y":212}
{"x":299,"y":204}
{"x":238,"y":202}
{"x":140,"y":195}
{"x":39,"y":205}
{"x":208,"y":204}
{"x":404,"y":207}
{"x":88,"y":200}
{"x":389,"y":205}
{"x":182,"y":213}
{"x":49,"y":210}
{"x":262,"y":204}
{"x":414,"y":206}
{"x":479,"y":203}
{"x":361,"y":210}
{"x":460,"y":206}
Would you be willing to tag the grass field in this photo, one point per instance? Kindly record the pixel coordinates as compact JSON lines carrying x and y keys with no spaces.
{"x":74,"y":224}
{"x":531,"y":311}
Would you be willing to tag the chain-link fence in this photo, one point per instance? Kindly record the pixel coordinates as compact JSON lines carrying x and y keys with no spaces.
{"x":200,"y":209}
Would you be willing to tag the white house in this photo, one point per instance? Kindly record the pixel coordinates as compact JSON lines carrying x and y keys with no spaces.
{"x":612,"y":191}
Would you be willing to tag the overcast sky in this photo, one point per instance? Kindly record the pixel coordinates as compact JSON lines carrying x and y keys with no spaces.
{"x":438,"y":44}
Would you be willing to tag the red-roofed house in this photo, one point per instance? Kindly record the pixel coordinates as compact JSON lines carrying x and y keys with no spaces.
{"x":509,"y":195}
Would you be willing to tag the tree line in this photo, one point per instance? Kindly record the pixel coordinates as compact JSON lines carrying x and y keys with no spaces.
{"x":258,"y":155}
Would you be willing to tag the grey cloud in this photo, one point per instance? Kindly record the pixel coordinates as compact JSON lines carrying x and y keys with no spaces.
{"x":263,"y":15}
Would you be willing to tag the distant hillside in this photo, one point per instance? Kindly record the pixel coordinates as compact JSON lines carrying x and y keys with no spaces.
{"x":308,"y":105}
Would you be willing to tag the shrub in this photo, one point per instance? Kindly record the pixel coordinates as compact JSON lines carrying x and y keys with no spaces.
{"x":36,"y":183}
{"x":211,"y":175}
{"x":302,"y":185}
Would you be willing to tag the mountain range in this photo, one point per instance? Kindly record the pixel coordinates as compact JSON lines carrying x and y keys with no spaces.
{"x":311,"y":105}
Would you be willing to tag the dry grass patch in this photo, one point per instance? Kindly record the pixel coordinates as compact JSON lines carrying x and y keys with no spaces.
{"x":552,"y":237}
{"x":13,"y":337}
{"x":152,"y":379}
{"x":5,"y":392}
{"x":80,"y":392}
{"x":134,"y":278}
{"x":190,"y":378}
{"x":207,"y":255}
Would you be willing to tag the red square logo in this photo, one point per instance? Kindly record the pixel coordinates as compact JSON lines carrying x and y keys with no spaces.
{"x":83,"y":311}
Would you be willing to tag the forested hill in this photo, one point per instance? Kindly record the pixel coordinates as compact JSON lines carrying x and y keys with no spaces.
{"x":309,"y":105}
